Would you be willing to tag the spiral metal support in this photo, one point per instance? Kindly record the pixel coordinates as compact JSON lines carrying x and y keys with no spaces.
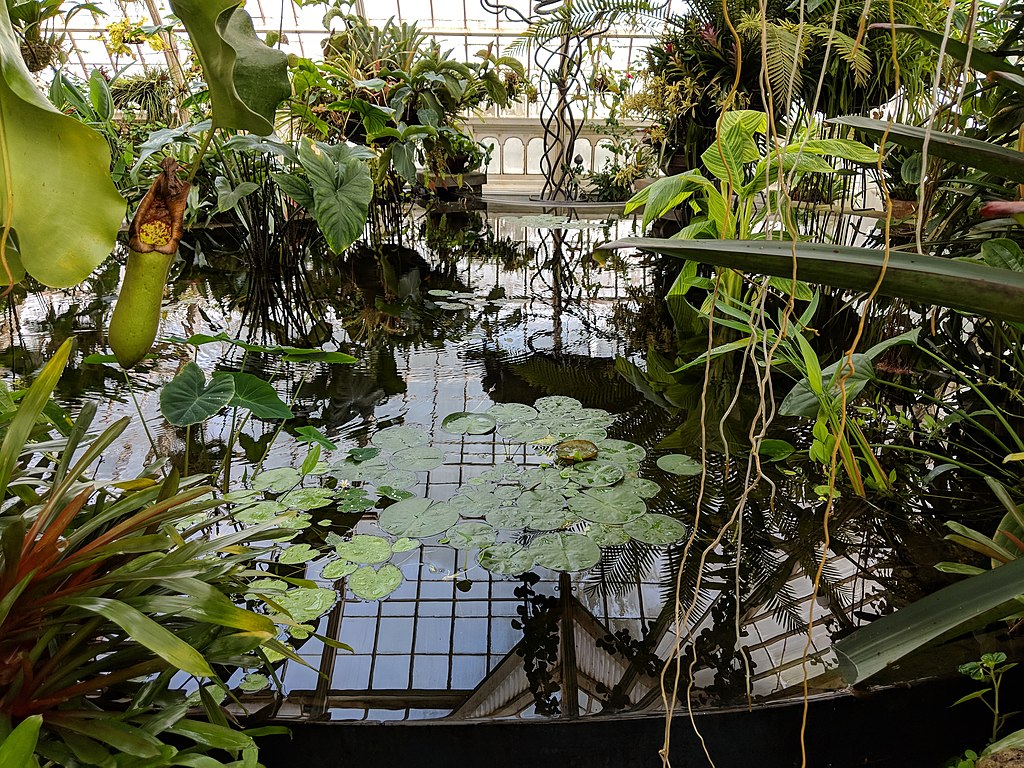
{"x":561,"y":62}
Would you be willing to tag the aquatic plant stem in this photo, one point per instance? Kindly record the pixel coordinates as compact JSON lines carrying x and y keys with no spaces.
{"x":138,"y":409}
{"x":200,"y":154}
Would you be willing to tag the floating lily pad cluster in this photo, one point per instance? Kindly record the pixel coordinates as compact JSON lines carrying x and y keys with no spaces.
{"x":452,"y":301}
{"x":585,"y":493}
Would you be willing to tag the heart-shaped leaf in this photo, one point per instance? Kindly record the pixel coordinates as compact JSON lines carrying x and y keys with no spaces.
{"x":306,"y":604}
{"x":247,"y":79}
{"x":342,"y":190}
{"x":679,"y":464}
{"x":365,"y":549}
{"x":338,"y":569}
{"x":370,"y":584}
{"x":506,"y":559}
{"x":65,"y":209}
{"x":257,"y":396}
{"x":463,"y":423}
{"x":298,"y":553}
{"x":186,"y":399}
{"x":472,"y":535}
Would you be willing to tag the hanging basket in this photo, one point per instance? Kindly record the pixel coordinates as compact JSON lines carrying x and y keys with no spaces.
{"x":40,"y":54}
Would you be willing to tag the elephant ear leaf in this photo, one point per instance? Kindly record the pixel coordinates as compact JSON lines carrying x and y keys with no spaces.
{"x":56,"y":195}
{"x":247,"y":79}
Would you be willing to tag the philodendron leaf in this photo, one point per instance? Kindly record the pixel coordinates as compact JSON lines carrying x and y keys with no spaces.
{"x":65,"y":210}
{"x":342,"y":190}
{"x":247,"y":80}
{"x":187,"y":399}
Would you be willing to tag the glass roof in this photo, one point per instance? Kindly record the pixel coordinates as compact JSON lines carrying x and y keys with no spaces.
{"x":464,"y":26}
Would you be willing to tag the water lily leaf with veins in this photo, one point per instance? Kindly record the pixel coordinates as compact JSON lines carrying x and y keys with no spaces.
{"x":597,"y":474}
{"x":369,"y":471}
{"x":679,"y":464}
{"x":510,"y":413}
{"x":187,"y":399}
{"x":615,"y":505}
{"x":565,"y":551}
{"x":544,"y":510}
{"x":620,"y":452}
{"x":278,"y":480}
{"x":608,"y":535}
{"x":260,"y":512}
{"x":396,"y":438}
{"x":471,"y":536}
{"x":418,"y":518}
{"x":338,"y":569}
{"x":404,"y":545}
{"x":544,"y":478}
{"x":475,"y":501}
{"x":509,"y":518}
{"x":655,"y":529}
{"x":399,"y":478}
{"x":421,"y":459}
{"x":464,"y":423}
{"x":524,"y":431}
{"x":66,"y":209}
{"x":254,"y":682}
{"x":246,"y":79}
{"x":370,"y":584}
{"x":365,"y":549}
{"x":557,"y":406}
{"x":297,"y":553}
{"x":306,"y":604}
{"x":642,"y":487}
{"x":506,"y":559}
{"x":307,"y":498}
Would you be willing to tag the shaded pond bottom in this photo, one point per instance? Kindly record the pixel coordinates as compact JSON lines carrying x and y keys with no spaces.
{"x":899,"y":726}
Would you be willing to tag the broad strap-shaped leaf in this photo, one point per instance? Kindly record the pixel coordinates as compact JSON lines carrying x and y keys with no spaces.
{"x":65,"y":209}
{"x":1000,"y":161}
{"x":147,"y":632}
{"x":247,"y":79}
{"x":952,"y":283}
{"x":187,"y":399}
{"x":980,"y":60}
{"x":20,"y":745}
{"x":960,"y":607}
{"x":342,"y":190}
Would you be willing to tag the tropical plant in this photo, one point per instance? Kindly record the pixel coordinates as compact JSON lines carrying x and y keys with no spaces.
{"x":110,"y":589}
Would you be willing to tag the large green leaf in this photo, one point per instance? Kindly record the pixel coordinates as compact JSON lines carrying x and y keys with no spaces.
{"x":258,"y":396}
{"x":20,"y":745}
{"x":187,"y":399}
{"x":954,"y":609}
{"x":147,"y":632}
{"x":1000,"y":161}
{"x":980,"y":60}
{"x":342,"y":190}
{"x":961,"y":285}
{"x":65,"y":210}
{"x":247,"y":79}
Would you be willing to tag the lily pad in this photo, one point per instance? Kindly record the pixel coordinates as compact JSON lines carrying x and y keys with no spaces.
{"x":261,"y":512}
{"x":509,"y":518}
{"x":307,"y":498}
{"x":418,"y":459}
{"x":440,"y":293}
{"x":524,"y":431}
{"x":655,"y":529}
{"x":404,"y":545}
{"x":369,"y":471}
{"x":399,"y":478}
{"x":565,"y":551}
{"x":576,"y":450}
{"x":364,"y":549}
{"x":543,"y":479}
{"x":418,"y":518}
{"x":397,"y":438}
{"x":506,"y":559}
{"x":544,"y":510}
{"x":597,"y":474}
{"x":615,"y":505}
{"x":475,"y":502}
{"x":370,"y":584}
{"x":338,"y":569}
{"x":557,"y":406}
{"x":620,"y":451}
{"x":645,"y":489}
{"x":464,"y":423}
{"x":278,"y":480}
{"x":299,"y":553}
{"x":510,"y":413}
{"x":471,"y":536}
{"x":607,"y":535}
{"x":306,"y":604}
{"x":451,"y":306}
{"x":254,"y":682}
{"x":352,"y":500}
{"x":679,"y":464}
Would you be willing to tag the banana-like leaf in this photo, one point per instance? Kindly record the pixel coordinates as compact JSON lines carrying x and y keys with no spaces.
{"x":970,"y":603}
{"x":991,"y":158}
{"x":64,"y":208}
{"x":247,"y":79}
{"x":963,"y":285}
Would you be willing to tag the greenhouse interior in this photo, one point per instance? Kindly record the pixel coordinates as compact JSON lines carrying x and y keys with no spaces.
{"x":622,"y":382}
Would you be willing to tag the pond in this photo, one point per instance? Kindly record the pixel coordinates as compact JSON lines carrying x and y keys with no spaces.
{"x":513,"y":323}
